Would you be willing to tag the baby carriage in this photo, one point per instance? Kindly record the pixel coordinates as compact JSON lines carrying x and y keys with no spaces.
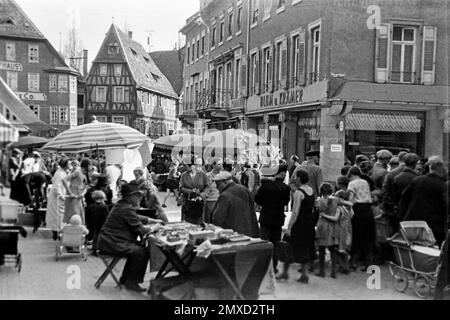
{"x":416,"y":258}
{"x":71,"y":240}
{"x":9,"y":233}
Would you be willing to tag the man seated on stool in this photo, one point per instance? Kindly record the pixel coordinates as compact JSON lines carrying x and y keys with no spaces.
{"x":119,"y":234}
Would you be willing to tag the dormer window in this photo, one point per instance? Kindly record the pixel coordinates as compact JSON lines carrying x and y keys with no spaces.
{"x":147,"y":59}
{"x":8,"y":20}
{"x":113,"y":48}
{"x":155,"y":77}
{"x":133,"y":52}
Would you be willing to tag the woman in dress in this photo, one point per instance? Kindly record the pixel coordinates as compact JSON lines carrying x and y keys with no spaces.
{"x":301,"y":225}
{"x":15,"y":163}
{"x":78,"y":186}
{"x":57,"y":195}
{"x":363,"y":223}
{"x":173,"y":183}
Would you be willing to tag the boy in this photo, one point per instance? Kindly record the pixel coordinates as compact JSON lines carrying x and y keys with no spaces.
{"x":99,"y":212}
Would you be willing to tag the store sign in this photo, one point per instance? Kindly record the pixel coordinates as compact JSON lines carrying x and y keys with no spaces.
{"x":32,"y":96}
{"x":282,"y":98}
{"x":11,"y":66}
{"x":336,"y":148}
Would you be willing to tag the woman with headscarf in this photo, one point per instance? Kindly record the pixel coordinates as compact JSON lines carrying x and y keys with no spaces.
{"x":59,"y":191}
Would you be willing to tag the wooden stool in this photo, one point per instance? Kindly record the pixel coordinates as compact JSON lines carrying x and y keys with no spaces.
{"x":110,"y":263}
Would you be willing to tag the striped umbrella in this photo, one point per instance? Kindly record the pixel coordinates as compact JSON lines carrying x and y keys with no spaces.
{"x":96,"y":135}
{"x":8,"y":133}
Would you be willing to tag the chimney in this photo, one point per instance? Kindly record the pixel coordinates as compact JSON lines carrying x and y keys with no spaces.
{"x":130,"y":34}
{"x":85,"y":62}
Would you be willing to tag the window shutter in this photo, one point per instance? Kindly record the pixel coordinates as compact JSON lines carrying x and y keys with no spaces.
{"x":258,"y":74}
{"x":271,"y":65}
{"x":382,"y":53}
{"x":244,"y":89}
{"x":283,"y":66}
{"x":301,"y":60}
{"x":429,"y":55}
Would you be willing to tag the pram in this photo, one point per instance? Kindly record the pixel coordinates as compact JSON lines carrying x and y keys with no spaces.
{"x":416,"y":258}
{"x":9,"y":233}
{"x":71,"y":240}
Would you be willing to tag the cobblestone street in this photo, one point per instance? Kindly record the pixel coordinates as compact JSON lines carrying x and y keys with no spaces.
{"x":44,"y":278}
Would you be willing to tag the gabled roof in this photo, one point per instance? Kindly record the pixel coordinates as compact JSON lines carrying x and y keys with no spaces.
{"x":171,"y":64}
{"x":143,"y":69}
{"x":24,"y":115}
{"x":15,"y":23}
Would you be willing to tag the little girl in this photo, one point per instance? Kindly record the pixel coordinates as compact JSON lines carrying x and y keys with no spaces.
{"x":327,"y":236}
{"x":382,"y":227}
{"x":344,"y":217}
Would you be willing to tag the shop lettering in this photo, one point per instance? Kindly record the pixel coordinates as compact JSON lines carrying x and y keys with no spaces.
{"x":11,"y":66}
{"x":284,"y":98}
{"x":31,"y":96}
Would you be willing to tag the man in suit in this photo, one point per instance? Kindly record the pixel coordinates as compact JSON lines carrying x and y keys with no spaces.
{"x":119,"y":234}
{"x":273,"y":197}
{"x":235,"y":208}
{"x":426,"y":197}
{"x":314,"y":172}
{"x":380,"y":168}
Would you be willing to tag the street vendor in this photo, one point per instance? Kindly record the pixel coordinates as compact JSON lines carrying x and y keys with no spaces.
{"x":235,"y":208}
{"x":120,"y":233}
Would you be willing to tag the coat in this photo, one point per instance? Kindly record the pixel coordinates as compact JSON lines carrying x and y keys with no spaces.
{"x":389,"y":199}
{"x":401,"y":182}
{"x":273,"y":197}
{"x":426,"y":200}
{"x":121,"y":230}
{"x":379,"y":174}
{"x":187,"y":184}
{"x":235,"y":210}
{"x":314,"y":174}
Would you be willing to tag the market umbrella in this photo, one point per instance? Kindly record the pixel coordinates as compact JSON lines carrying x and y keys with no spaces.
{"x":180,"y":143}
{"x":230,"y":142}
{"x":8,"y":133}
{"x":96,"y":135}
{"x":28,"y":142}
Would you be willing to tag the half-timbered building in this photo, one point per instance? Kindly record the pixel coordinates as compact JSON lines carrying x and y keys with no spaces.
{"x":125,"y":86}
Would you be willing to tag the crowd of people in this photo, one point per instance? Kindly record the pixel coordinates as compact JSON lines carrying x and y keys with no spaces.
{"x":351,"y":218}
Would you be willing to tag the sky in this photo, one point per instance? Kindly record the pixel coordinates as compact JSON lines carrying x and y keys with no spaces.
{"x":161,"y":19}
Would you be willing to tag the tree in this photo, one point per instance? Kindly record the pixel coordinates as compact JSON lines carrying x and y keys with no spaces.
{"x":73,"y":49}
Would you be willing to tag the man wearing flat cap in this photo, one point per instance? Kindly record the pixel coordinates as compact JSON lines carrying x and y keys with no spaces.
{"x":235,"y":208}
{"x":120,"y":233}
{"x":273,"y":196}
{"x":380,"y":168}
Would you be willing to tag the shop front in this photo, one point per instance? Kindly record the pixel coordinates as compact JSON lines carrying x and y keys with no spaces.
{"x":289,"y":119}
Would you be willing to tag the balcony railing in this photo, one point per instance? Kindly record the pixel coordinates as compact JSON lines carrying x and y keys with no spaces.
{"x":218,"y":99}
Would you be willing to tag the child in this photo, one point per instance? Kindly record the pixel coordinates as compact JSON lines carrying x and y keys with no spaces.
{"x":382,"y":227}
{"x":76,"y":221}
{"x":98,"y":211}
{"x":327,"y":236}
{"x":344,"y":217}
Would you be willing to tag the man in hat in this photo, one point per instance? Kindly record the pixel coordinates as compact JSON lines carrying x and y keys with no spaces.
{"x":273,"y":196}
{"x":380,"y":168}
{"x":235,"y":208}
{"x":314,"y":172}
{"x":119,"y":234}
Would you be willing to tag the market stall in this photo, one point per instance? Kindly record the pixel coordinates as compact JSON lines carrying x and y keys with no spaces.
{"x":207,"y":258}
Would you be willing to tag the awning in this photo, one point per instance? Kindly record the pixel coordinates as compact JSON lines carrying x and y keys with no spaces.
{"x":8,"y":133}
{"x":383,"y":122}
